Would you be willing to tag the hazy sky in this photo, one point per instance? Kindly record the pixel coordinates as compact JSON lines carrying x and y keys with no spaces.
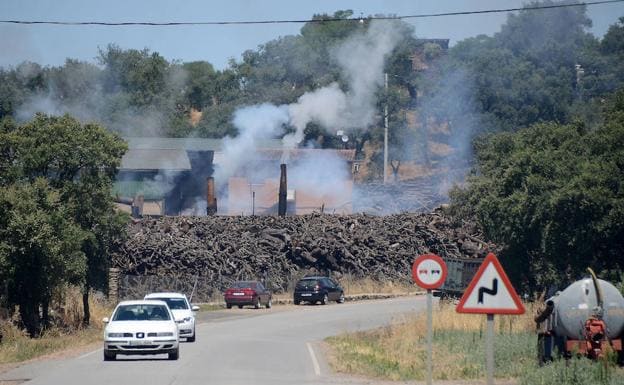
{"x":50,"y":45}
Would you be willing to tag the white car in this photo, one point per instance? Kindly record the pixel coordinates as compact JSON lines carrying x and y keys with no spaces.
{"x":183,"y":312}
{"x":141,"y":327}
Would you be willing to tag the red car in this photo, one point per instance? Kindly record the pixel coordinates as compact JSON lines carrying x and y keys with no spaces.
{"x":243,"y":293}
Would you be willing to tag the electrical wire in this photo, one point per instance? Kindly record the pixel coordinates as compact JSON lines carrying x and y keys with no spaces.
{"x":324,"y":20}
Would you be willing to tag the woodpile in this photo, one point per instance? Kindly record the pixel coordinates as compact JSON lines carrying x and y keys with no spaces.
{"x":279,"y":250}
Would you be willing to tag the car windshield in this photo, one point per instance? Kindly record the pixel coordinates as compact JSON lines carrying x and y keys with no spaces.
{"x":141,"y":312}
{"x":307,"y":283}
{"x":174,"y":303}
{"x":244,"y":285}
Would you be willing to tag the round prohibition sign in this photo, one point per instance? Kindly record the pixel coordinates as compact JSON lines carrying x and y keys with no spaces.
{"x":429,"y":271}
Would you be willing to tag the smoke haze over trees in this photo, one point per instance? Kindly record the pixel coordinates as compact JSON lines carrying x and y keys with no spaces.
{"x":543,"y":76}
{"x":521,"y":75}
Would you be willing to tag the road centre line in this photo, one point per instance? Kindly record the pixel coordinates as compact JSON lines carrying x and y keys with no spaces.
{"x":317,"y":368}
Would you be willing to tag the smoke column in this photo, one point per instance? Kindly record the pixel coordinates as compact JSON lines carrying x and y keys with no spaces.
{"x":361,"y":59}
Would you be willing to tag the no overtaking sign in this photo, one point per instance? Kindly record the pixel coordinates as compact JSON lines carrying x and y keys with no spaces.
{"x":429,"y":271}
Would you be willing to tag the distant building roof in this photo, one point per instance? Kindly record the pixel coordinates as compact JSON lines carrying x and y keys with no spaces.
{"x":155,"y":159}
{"x":153,"y":153}
{"x":278,"y":154}
{"x":189,"y":144}
{"x":301,"y":153}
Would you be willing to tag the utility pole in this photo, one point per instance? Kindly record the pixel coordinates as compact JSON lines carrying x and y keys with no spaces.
{"x":385,"y":163}
{"x":579,"y":81}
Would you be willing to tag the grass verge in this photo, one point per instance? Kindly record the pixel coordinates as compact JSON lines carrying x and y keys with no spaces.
{"x":398,"y":352}
{"x":17,"y":347}
{"x":211,"y":306}
{"x":68,"y":332}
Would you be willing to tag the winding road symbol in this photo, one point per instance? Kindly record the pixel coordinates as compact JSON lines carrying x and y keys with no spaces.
{"x":485,"y":290}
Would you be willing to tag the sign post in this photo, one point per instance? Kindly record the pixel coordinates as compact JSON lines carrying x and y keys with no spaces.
{"x":429,"y":272}
{"x":490,"y":292}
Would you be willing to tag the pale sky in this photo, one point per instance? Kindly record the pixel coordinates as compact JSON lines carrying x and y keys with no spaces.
{"x":51,"y":45}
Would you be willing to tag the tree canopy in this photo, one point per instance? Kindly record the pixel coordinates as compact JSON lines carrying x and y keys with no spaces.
{"x":57,"y":215}
{"x":552,"y":194}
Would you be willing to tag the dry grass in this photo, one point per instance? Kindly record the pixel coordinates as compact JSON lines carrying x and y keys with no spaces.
{"x":67,"y":332}
{"x":397,"y":352}
{"x":354,"y":286}
{"x":446,"y":318}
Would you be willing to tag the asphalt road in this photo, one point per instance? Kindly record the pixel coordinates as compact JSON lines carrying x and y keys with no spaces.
{"x":244,"y":347}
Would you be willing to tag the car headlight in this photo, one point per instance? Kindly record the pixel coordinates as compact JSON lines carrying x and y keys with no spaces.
{"x":115,"y":335}
{"x":185,"y":319}
{"x":164,"y":334}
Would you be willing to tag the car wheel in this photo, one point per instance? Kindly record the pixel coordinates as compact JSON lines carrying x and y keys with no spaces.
{"x":174,"y":355}
{"x":240,"y":306}
{"x":109,"y":356}
{"x":269,"y":304}
{"x":297,"y":302}
{"x":228,"y":305}
{"x":325,"y":299}
{"x":257,"y":303}
{"x":341,"y":299}
{"x":191,"y":339}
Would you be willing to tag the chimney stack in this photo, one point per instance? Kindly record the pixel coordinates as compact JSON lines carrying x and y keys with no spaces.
{"x":283,"y":189}
{"x":137,"y":206}
{"x":211,"y":199}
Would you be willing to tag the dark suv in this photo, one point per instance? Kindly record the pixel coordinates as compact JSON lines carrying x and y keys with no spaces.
{"x":318,"y":289}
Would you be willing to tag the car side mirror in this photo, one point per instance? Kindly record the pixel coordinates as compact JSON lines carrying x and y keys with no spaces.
{"x":105,"y":320}
{"x":195,"y":308}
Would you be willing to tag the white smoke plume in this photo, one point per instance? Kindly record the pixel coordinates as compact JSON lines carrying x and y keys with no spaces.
{"x":256,"y":123}
{"x":325,"y":106}
{"x":361,"y":59}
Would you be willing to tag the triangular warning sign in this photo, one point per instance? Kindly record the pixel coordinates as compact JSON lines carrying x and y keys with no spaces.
{"x":490,"y":291}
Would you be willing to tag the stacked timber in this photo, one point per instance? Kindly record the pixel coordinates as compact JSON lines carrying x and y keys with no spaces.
{"x":278,"y":249}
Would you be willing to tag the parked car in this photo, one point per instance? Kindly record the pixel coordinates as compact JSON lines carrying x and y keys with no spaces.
{"x":141,"y":327}
{"x":243,"y":293}
{"x":183,"y":312}
{"x":318,"y":289}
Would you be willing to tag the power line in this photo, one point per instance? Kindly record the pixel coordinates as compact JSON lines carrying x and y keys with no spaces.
{"x":301,"y":21}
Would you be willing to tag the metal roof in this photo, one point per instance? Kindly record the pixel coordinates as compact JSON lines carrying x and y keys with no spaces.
{"x":189,"y":144}
{"x":302,"y":153}
{"x":155,"y":159}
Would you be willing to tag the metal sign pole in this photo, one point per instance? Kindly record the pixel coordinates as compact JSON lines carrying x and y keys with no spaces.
{"x":429,"y":272}
{"x":429,"y":336}
{"x":489,"y":349}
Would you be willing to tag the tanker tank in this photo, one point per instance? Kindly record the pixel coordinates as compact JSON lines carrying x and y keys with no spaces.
{"x":587,"y":318}
{"x":574,"y":305}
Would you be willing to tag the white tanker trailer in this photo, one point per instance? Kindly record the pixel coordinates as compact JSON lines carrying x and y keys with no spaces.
{"x":587,"y":318}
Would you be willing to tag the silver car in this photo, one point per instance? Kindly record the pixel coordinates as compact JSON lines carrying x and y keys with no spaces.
{"x":183,"y":312}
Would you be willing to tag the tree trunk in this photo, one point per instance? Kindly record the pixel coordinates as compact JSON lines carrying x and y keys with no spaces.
{"x":395,"y":164}
{"x":45,"y":313}
{"x":29,"y":313}
{"x":86,"y":319}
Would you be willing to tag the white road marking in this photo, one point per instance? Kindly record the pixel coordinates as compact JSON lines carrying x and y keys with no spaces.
{"x":89,"y":354}
{"x":317,"y":368}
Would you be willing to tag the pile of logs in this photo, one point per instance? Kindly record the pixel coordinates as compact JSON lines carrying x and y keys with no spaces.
{"x":278,"y":250}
